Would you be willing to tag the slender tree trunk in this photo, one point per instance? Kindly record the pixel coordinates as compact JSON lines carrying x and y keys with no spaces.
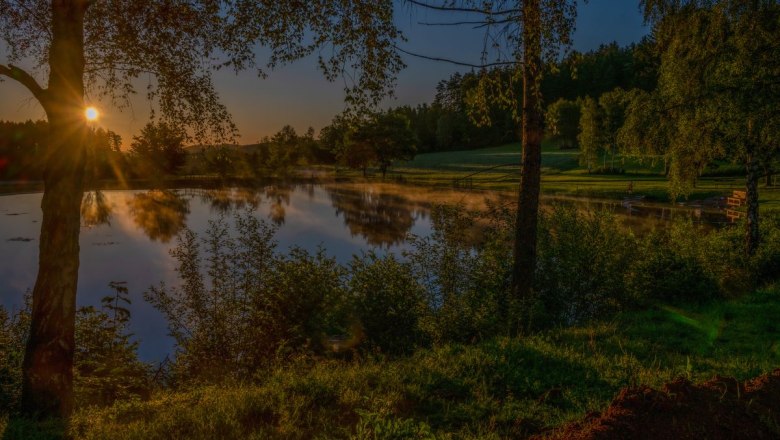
{"x":47,"y":387}
{"x":524,"y":264}
{"x":613,"y":160}
{"x":769,"y":173}
{"x":752,"y":234}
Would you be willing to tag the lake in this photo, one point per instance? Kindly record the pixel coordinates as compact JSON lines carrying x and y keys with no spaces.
{"x":127,"y":235}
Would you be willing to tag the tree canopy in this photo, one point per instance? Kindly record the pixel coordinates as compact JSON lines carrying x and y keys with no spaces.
{"x":717,"y":92}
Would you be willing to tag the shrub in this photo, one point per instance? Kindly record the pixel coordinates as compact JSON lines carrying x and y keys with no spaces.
{"x":241,"y":305}
{"x":13,"y":334}
{"x":582,"y":259}
{"x":463,"y":267}
{"x":388,"y":303}
{"x":106,"y":362}
{"x":658,"y":272}
{"x":106,"y":365}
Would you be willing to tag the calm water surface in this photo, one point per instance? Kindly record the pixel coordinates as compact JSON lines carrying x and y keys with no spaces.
{"x":127,"y":235}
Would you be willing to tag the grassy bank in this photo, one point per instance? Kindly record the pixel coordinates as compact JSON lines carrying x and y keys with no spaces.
{"x":499,"y":388}
{"x":497,"y":168}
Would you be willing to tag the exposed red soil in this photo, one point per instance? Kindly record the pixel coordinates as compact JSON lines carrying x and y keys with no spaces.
{"x":721,"y":408}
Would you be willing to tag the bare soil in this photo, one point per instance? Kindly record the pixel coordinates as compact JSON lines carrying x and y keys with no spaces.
{"x":722,"y":408}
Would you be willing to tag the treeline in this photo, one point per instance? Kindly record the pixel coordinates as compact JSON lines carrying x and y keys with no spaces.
{"x":457,"y":118}
{"x":372,"y":140}
{"x":157,"y":149}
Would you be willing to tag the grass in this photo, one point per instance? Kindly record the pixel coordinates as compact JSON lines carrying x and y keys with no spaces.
{"x":504,"y":387}
{"x":496,"y":168}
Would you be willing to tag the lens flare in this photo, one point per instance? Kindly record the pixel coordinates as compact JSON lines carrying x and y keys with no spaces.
{"x":91,"y":113}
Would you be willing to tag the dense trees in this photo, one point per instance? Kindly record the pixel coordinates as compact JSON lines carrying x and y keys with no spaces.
{"x":21,"y":149}
{"x":384,"y":138}
{"x":717,"y":91}
{"x":158,"y":149}
{"x":563,"y":122}
{"x":101,"y":47}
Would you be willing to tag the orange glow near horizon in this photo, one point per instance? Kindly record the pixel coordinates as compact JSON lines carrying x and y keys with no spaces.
{"x":91,"y":113}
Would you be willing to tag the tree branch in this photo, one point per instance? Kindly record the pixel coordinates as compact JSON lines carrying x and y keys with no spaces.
{"x":26,"y":80}
{"x":458,"y":63}
{"x":477,"y":23}
{"x":472,"y":10}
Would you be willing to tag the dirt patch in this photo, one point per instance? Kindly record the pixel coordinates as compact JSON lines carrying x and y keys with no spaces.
{"x":721,"y":408}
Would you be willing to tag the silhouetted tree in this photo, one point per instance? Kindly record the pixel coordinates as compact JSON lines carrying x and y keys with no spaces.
{"x":102,"y":47}
{"x":383,"y":139}
{"x":159,"y":148}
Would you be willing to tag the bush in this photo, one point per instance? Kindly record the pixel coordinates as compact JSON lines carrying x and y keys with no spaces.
{"x":388,"y":303}
{"x":660,"y":273}
{"x":106,"y":365}
{"x":464,"y":268}
{"x":582,"y":259}
{"x":241,"y":305}
{"x":13,"y":334}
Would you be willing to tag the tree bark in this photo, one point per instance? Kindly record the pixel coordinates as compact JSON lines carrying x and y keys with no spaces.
{"x":751,"y":224}
{"x":47,"y":387}
{"x":524,"y":251}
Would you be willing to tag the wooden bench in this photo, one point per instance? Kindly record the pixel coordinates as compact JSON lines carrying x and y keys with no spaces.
{"x":738,"y":198}
{"x":733,"y":215}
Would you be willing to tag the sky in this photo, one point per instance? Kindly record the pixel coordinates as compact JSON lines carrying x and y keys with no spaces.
{"x":298,"y":95}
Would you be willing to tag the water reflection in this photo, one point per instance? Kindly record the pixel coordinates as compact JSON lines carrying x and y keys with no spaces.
{"x":381,"y":218}
{"x":161,"y":214}
{"x":226,"y":200}
{"x":95,"y":209}
{"x":279,"y":197}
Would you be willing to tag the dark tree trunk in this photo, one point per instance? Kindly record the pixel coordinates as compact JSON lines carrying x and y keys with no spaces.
{"x":751,"y":224}
{"x":47,"y":387}
{"x":524,"y":264}
{"x":769,"y":173}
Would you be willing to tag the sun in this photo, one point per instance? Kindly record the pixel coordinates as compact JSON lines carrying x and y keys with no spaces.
{"x":91,"y":113}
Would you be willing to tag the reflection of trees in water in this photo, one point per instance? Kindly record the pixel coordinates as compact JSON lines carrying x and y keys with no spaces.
{"x":380,"y":218}
{"x":161,"y":214}
{"x":95,"y":209}
{"x":227,"y":200}
{"x":279,"y":198}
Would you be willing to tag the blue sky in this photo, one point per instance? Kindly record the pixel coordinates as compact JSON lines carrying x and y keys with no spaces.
{"x":298,"y":95}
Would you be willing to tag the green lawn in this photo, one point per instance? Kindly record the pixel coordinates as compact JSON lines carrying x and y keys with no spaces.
{"x":496,"y":168}
{"x":495,"y":389}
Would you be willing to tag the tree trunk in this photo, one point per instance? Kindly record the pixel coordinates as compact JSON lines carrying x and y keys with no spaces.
{"x":751,"y":224}
{"x":47,"y":387}
{"x":524,"y":264}
{"x":769,"y":173}
{"x":612,"y":166}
